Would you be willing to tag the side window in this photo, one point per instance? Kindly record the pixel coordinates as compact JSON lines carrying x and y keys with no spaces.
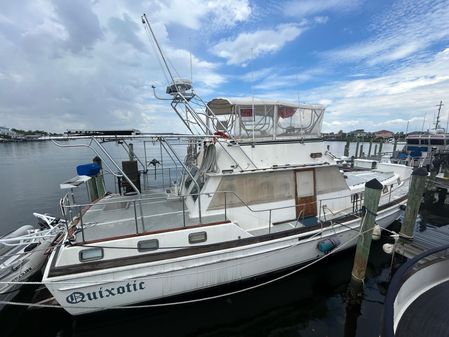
{"x":91,"y":254}
{"x":197,"y":237}
{"x":148,"y":245}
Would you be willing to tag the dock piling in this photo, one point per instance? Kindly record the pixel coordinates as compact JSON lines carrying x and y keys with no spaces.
{"x":395,"y":145}
{"x":346,"y":152}
{"x":373,"y":190}
{"x":357,"y":149}
{"x":415,"y":192}
{"x":369,"y":148}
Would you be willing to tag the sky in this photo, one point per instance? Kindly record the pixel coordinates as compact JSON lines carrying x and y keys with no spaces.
{"x":82,"y":64}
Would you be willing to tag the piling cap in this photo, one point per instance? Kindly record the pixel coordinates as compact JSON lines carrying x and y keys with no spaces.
{"x":420,"y":171}
{"x":374,"y":184}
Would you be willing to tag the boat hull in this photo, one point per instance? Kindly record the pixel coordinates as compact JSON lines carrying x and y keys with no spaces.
{"x":98,"y":290}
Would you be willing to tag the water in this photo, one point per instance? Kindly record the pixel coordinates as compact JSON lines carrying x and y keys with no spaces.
{"x":309,"y":303}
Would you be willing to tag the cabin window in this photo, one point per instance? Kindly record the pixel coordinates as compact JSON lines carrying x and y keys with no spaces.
{"x":197,"y":237}
{"x":148,"y":245}
{"x":413,"y":141}
{"x":424,"y":141}
{"x":329,"y":179}
{"x":256,"y":188}
{"x":437,"y":142}
{"x":91,"y":254}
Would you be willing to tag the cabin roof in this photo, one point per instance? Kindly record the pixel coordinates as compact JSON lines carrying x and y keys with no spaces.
{"x":223,"y":105}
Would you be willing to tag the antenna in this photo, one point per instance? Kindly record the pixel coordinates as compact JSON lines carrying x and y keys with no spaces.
{"x":145,"y":21}
{"x":190,"y":55}
{"x":423,"y":122}
{"x":252,"y":94}
{"x":437,"y":121}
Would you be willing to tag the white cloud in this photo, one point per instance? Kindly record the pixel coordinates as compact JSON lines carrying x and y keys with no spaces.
{"x":310,"y":7}
{"x":193,"y":13}
{"x":321,"y":19}
{"x":407,"y":94}
{"x":408,"y":28}
{"x":247,"y":46}
{"x":96,"y":75}
{"x":391,"y":100}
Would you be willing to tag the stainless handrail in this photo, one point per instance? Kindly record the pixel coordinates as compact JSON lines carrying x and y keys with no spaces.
{"x":88,"y":146}
{"x":188,"y":172}
{"x":243,"y":203}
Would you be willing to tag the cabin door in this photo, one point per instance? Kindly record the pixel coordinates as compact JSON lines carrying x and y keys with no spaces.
{"x":305,"y":193}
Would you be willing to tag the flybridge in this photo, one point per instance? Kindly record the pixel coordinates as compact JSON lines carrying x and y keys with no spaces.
{"x":262,"y":119}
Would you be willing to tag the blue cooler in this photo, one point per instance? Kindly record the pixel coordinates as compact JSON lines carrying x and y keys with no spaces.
{"x":88,"y":170}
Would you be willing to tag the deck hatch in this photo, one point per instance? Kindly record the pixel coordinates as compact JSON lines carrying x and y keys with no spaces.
{"x":116,"y":205}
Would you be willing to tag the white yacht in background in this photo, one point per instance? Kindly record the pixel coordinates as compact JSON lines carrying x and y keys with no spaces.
{"x":419,"y":146}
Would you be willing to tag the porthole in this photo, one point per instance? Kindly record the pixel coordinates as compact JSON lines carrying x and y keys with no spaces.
{"x":197,"y":237}
{"x":91,"y":254}
{"x":148,"y":245}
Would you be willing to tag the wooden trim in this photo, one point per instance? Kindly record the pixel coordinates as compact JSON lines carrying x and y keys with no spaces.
{"x":194,"y":250}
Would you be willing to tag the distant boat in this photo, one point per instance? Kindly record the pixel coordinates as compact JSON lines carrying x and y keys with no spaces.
{"x":22,"y":253}
{"x":419,"y":146}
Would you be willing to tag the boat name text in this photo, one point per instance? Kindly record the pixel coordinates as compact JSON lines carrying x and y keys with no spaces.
{"x":81,"y":297}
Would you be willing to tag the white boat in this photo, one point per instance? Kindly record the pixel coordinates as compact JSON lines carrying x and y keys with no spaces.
{"x":22,"y":253}
{"x":419,"y":147}
{"x":258,"y":193}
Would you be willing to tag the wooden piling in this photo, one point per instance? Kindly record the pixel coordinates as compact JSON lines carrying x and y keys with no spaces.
{"x":429,"y":196}
{"x":361,"y":151}
{"x":98,"y":180}
{"x":357,"y":149}
{"x":369,"y":148}
{"x":380,"y":146}
{"x":92,"y":189}
{"x":131,"y":151}
{"x":415,"y":192}
{"x":373,"y":190}
{"x":346,"y":152}
{"x":375,"y":149}
{"x":395,"y":145}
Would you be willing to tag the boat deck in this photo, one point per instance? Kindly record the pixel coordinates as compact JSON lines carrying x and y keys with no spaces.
{"x":117,"y":215}
{"x":360,"y":177}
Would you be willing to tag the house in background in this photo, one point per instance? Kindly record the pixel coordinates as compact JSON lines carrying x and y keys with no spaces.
{"x":359,"y":133}
{"x":384,"y":134}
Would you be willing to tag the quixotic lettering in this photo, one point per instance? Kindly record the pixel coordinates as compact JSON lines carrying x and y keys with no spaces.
{"x":81,"y":297}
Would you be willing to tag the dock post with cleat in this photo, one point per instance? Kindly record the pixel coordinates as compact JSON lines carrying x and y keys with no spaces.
{"x":415,"y":192}
{"x":373,"y":190}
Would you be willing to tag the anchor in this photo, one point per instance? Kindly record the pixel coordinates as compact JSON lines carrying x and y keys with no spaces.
{"x":154,"y":162}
